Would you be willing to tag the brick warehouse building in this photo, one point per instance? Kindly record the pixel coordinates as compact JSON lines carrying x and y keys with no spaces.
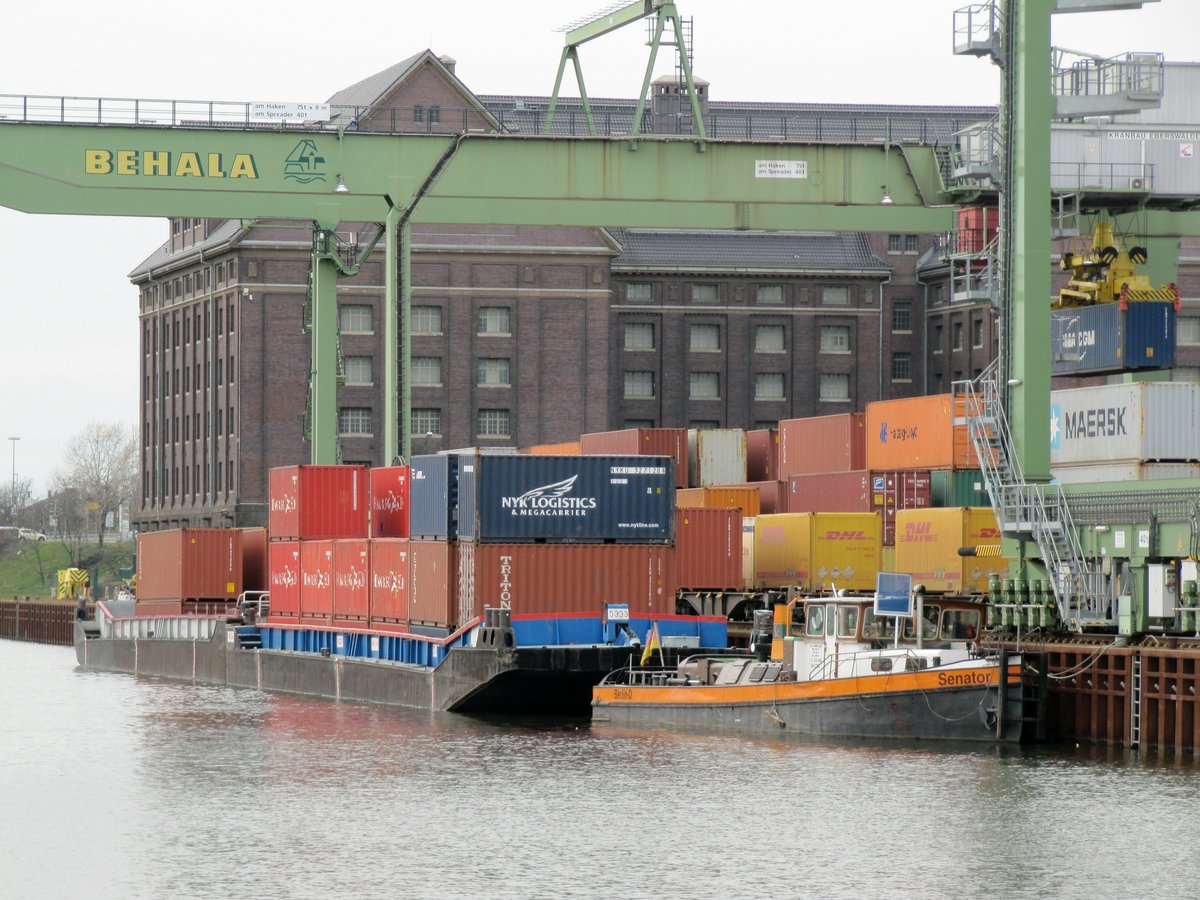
{"x":523,"y":335}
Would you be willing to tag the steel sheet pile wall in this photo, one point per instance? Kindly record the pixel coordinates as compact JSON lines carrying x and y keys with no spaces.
{"x":716,"y":456}
{"x":1112,"y":337}
{"x":190,"y":564}
{"x":1125,"y":423}
{"x":37,"y":622}
{"x":927,"y":545}
{"x":817,"y":551}
{"x":672,"y":442}
{"x":822,"y":444}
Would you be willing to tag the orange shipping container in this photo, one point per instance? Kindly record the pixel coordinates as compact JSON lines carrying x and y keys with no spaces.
{"x":744,"y":498}
{"x":917,"y":433}
{"x":564,"y":448}
{"x":817,"y":550}
{"x":927,"y":543}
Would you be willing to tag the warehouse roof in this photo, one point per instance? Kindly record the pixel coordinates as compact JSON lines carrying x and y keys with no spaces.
{"x":744,"y":252}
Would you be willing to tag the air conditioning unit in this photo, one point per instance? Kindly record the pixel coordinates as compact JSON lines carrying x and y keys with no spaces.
{"x":1139,"y":183}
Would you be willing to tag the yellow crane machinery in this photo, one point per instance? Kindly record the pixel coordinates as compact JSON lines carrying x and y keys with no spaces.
{"x":72,"y":584}
{"x":1106,"y":273}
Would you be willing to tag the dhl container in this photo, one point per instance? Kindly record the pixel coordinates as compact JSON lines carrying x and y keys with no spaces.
{"x":927,"y":545}
{"x":762,"y":454}
{"x":389,"y":582}
{"x":432,"y":584}
{"x":189,"y":564}
{"x":562,"y":579}
{"x":1134,"y":471}
{"x":881,"y":492}
{"x":977,"y":227}
{"x":961,"y":487}
{"x":892,"y":491}
{"x":433,"y":497}
{"x":716,"y":456}
{"x":817,"y":551}
{"x":917,"y":433}
{"x":744,"y":498}
{"x":708,"y":549}
{"x":283,"y":560}
{"x":822,"y":444}
{"x":563,"y":448}
{"x":388,"y":487}
{"x":1138,"y":422}
{"x":887,"y":559}
{"x":747,"y":554}
{"x":318,"y":503}
{"x":672,"y":442}
{"x":351,"y":580}
{"x":316,"y":580}
{"x":254,"y":559}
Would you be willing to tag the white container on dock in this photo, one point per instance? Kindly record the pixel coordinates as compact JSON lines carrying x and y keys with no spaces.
{"x":716,"y":456}
{"x":1125,"y":423}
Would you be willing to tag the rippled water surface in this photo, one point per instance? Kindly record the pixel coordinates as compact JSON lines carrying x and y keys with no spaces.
{"x":112,"y":786}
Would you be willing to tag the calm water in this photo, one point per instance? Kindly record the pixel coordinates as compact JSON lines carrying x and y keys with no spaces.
{"x":112,"y":786}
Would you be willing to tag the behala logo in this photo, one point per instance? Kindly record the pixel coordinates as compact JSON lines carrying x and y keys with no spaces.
{"x":304,"y":164}
{"x":550,"y":500}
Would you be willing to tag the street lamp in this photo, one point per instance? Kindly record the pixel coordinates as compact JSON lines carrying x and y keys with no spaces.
{"x":12,"y":498}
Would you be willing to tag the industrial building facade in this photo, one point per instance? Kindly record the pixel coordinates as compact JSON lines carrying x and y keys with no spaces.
{"x":524,"y":335}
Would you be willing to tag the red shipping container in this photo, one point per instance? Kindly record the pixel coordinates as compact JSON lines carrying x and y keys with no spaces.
{"x":389,"y":581}
{"x":254,"y":559}
{"x":708,"y":549}
{"x":762,"y":454}
{"x":882,"y":492}
{"x":822,"y":444}
{"x":891,"y":491}
{"x":189,"y":564}
{"x":389,"y":501}
{"x":316,"y":579}
{"x":284,"y":579}
{"x":312,"y":503}
{"x":672,"y":442}
{"x":351,"y":580}
{"x":432,"y":583}
{"x":977,"y":227}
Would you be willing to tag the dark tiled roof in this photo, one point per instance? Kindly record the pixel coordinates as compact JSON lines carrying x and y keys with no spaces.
{"x":368,"y":91}
{"x":163,"y":256}
{"x":654,"y":250}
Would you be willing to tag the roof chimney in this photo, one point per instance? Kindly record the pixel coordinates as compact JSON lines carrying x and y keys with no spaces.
{"x":448,"y":61}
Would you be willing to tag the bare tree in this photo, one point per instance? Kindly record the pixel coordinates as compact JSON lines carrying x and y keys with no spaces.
{"x":13,"y":496}
{"x":100,"y":464}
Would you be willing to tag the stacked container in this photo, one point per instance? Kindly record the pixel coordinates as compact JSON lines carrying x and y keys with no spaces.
{"x":742,"y":497}
{"x":916,"y":433}
{"x":716,"y":456}
{"x":1125,"y":424}
{"x":821,"y":444}
{"x":389,"y":501}
{"x":864,"y":491}
{"x":672,"y":442}
{"x":927,"y":545}
{"x":190,"y":565}
{"x":762,"y":454}
{"x":708,"y":549}
{"x":817,"y":551}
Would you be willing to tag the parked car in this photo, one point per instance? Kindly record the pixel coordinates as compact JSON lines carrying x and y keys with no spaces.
{"x":28,"y":534}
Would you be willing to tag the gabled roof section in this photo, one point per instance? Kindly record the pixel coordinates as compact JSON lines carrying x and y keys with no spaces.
{"x":745,"y":252}
{"x":163,"y":258}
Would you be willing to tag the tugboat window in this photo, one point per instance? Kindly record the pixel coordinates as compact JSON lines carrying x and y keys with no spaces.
{"x":875,"y":627}
{"x":816,"y":621}
{"x":929,"y":624}
{"x":847,"y":621}
{"x":960,"y":624}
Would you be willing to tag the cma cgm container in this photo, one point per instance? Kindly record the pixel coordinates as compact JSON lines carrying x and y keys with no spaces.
{"x":283,"y":565}
{"x":708,"y":548}
{"x":744,"y":498}
{"x":351,"y":580}
{"x":389,"y":583}
{"x":1110,"y":338}
{"x":672,"y":442}
{"x":927,"y":544}
{"x":388,"y":490}
{"x":822,"y":444}
{"x":190,"y":564}
{"x":817,"y":550}
{"x":318,"y":502}
{"x":433,"y":497}
{"x":762,"y":454}
{"x":432,"y":584}
{"x":917,"y":433}
{"x":1145,"y":422}
{"x":563,"y":579}
{"x":316,"y":580}
{"x":623,"y":499}
{"x":716,"y":456}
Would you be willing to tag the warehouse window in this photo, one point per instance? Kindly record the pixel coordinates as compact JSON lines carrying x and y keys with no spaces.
{"x":639,"y":336}
{"x":977,"y":333}
{"x":902,"y":316}
{"x":901,"y":367}
{"x":418,"y":113}
{"x":638,"y":291}
{"x":354,"y":319}
{"x":493,"y":373}
{"x":495,"y":320}
{"x":358,"y":370}
{"x":704,"y":386}
{"x":704,"y":337}
{"x":704,"y":293}
{"x":835,"y":295}
{"x":894,"y":243}
{"x":1187,"y":330}
{"x":958,"y":335}
{"x":769,"y":294}
{"x":768,"y":386}
{"x":835,"y":338}
{"x":354,"y":420}
{"x":493,"y":423}
{"x":639,"y":385}
{"x":835,"y":386}
{"x":435,"y":114}
{"x":638,"y":423}
{"x":426,"y":320}
{"x":426,"y":421}
{"x":427,"y":370}
{"x":703,"y":423}
{"x":768,"y":338}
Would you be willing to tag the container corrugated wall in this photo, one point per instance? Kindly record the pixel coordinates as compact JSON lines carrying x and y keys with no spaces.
{"x":822,"y":444}
{"x":563,"y":448}
{"x":830,"y":492}
{"x":254,"y":559}
{"x":433,"y":497}
{"x":190,"y":564}
{"x":745,"y":498}
{"x":927,"y":545}
{"x":708,"y":544}
{"x":316,"y":580}
{"x":318,"y":502}
{"x":672,"y":442}
{"x":817,"y":551}
{"x":716,"y":456}
{"x":389,"y":492}
{"x":432,"y":582}
{"x":283,"y":560}
{"x":1089,"y":340}
{"x":958,"y":487}
{"x":762,"y":454}
{"x":1139,"y":422}
{"x":389,"y":582}
{"x":916,"y":433}
{"x":351,"y":580}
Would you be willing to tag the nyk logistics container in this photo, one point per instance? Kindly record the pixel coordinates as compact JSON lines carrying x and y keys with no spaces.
{"x":762,"y":454}
{"x":708,"y":549}
{"x":189,"y":564}
{"x":318,"y":502}
{"x":1140,"y":422}
{"x":283,"y":567}
{"x":351,"y":581}
{"x":316,"y":580}
{"x":1112,"y":337}
{"x":389,"y":583}
{"x":433,"y":497}
{"x":672,"y":442}
{"x":927,"y":545}
{"x":745,"y":498}
{"x":716,"y":456}
{"x":815,"y":551}
{"x":622,"y":499}
{"x":388,"y":490}
{"x":917,"y":433}
{"x":822,"y":444}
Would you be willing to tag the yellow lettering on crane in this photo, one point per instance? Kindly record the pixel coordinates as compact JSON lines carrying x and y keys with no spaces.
{"x":189,"y":164}
{"x":97,"y":162}
{"x":156,"y":162}
{"x":243,"y":166}
{"x":214,"y":166}
{"x":127,"y":162}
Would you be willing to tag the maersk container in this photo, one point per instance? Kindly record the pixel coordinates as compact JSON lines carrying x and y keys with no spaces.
{"x":622,"y":499}
{"x":708,"y":549}
{"x":1122,"y":472}
{"x":389,"y":501}
{"x":716,"y":456}
{"x":1105,"y":338}
{"x":351,"y":580}
{"x":741,"y":497}
{"x":917,"y":433}
{"x":389,"y":583}
{"x":817,"y":551}
{"x":672,"y":442}
{"x":957,"y":487}
{"x":927,"y":545}
{"x":318,"y":502}
{"x":283,"y":561}
{"x":822,"y":444}
{"x":432,"y":586}
{"x":189,"y":564}
{"x":433,"y":497}
{"x":316,"y":580}
{"x":762,"y":454}
{"x":1139,"y":422}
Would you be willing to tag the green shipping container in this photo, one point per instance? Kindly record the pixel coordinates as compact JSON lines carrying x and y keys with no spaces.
{"x":958,"y":487}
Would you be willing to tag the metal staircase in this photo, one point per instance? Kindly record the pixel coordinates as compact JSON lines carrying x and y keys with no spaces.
{"x":1037,"y":512}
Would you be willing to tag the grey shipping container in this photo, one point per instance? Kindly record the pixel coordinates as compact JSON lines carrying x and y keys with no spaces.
{"x":716,"y":456}
{"x":1092,"y":340}
{"x":433,"y":497}
{"x":1128,"y":471}
{"x":618,"y":499}
{"x":1136,"y":422}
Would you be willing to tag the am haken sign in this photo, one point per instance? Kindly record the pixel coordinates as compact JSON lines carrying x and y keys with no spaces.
{"x":781,"y":168}
{"x":289,"y":112}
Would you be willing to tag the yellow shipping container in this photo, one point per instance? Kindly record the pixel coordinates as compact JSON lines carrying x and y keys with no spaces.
{"x":817,"y":550}
{"x":748,"y":553}
{"x":887,"y":559}
{"x":745,"y":499}
{"x":927,"y":542}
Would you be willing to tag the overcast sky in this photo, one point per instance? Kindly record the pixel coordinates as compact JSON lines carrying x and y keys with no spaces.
{"x":68,"y":332}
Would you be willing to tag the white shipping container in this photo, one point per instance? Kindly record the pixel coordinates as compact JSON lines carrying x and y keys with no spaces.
{"x":1132,"y":471}
{"x":1111,"y":423}
{"x":716,"y":456}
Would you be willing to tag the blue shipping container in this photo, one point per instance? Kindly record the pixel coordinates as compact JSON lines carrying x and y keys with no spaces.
{"x":619,"y":499}
{"x":433,"y":497}
{"x":1092,"y":340}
